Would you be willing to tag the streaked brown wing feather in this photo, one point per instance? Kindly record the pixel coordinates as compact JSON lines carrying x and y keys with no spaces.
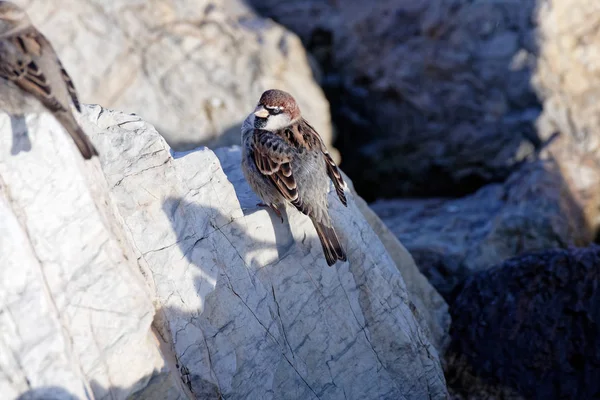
{"x":17,"y":59}
{"x":273,"y":157}
{"x":336,"y":177}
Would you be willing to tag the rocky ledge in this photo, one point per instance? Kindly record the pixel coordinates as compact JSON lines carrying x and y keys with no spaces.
{"x":153,"y":274}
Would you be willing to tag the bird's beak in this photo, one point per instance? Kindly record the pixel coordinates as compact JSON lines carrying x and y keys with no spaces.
{"x":261,"y":112}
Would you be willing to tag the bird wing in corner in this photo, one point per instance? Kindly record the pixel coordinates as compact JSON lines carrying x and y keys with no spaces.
{"x":17,"y":64}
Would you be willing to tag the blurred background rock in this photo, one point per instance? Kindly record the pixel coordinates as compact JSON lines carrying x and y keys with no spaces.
{"x":193,"y":68}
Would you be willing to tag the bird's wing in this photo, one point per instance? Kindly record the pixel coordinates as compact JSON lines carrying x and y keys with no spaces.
{"x":273,"y":158}
{"x":332,"y":169}
{"x":18,"y":55}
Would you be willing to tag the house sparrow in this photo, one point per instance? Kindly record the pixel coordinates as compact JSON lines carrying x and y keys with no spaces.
{"x":285,"y":160}
{"x":32,"y":77}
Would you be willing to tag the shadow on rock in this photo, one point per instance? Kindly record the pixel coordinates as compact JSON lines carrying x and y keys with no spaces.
{"x":185,"y":215}
{"x":47,"y":393}
{"x":20,"y":134}
{"x":531,"y":324}
{"x":228,"y":137}
{"x":155,"y":387}
{"x":264,"y":307}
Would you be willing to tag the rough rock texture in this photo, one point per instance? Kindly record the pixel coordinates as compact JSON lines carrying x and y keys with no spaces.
{"x":73,"y":304}
{"x":452,"y":238}
{"x":533,"y":324}
{"x":249,"y":304}
{"x":195,"y":68}
{"x":430,"y":307}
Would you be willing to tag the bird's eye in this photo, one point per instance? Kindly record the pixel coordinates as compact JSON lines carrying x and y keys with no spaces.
{"x":275,"y":111}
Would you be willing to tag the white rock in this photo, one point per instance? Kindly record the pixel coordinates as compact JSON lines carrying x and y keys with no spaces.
{"x":430,"y":308}
{"x":246,"y":306}
{"x":250,"y":307}
{"x":75,"y":312}
{"x":194,"y":68}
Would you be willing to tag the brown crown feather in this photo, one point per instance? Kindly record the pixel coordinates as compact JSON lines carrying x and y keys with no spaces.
{"x":278,"y":98}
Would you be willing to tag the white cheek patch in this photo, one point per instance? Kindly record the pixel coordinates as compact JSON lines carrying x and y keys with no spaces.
{"x":276,"y":122}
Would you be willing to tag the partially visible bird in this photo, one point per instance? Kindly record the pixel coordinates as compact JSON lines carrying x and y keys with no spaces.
{"x":32,"y":77}
{"x":285,"y":161}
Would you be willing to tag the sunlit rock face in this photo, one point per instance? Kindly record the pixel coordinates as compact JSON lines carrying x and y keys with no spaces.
{"x":242,"y":305}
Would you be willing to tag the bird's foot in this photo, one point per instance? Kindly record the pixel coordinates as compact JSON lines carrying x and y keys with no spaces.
{"x":272,"y":207}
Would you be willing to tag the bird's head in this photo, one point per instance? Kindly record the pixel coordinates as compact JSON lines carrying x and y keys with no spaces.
{"x":276,"y":110}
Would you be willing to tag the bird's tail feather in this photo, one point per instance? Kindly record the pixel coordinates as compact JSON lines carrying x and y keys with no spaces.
{"x":83,"y":142}
{"x":332,"y":248}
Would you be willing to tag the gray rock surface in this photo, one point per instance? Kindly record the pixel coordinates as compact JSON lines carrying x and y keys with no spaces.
{"x":240,"y":297}
{"x":430,"y":308}
{"x":195,"y":68}
{"x":75,"y":312}
{"x":453,"y":238}
{"x":249,"y":306}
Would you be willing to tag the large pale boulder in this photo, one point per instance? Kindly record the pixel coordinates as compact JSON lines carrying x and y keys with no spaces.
{"x":250,"y":308}
{"x":75,"y":310}
{"x":241,"y":305}
{"x":194,"y":68}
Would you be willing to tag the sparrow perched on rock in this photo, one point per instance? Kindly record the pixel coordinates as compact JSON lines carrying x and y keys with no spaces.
{"x":285,"y":161}
{"x":32,"y":77}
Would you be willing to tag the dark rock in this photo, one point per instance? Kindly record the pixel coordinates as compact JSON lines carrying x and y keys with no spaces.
{"x":532,"y":324}
{"x":534,"y":209}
